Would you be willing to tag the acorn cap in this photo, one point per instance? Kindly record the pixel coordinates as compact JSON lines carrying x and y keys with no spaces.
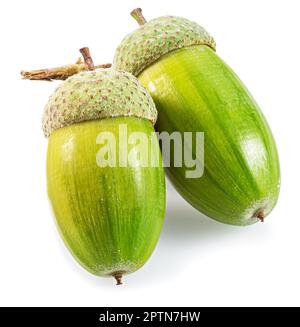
{"x":98,"y":94}
{"x":156,"y":38}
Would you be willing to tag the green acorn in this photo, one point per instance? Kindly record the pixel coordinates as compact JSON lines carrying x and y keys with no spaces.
{"x":195,"y":91}
{"x":110,"y":217}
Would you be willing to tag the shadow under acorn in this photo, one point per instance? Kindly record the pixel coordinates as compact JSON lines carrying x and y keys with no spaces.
{"x":188,"y":235}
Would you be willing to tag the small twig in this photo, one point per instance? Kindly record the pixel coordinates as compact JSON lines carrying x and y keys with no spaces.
{"x":59,"y":73}
{"x":138,"y":16}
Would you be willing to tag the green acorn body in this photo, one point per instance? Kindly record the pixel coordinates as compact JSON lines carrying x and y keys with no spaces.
{"x":109,"y":215}
{"x":195,"y":91}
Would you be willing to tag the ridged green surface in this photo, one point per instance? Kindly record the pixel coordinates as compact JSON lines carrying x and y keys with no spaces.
{"x":194,"y":90}
{"x":110,"y":218}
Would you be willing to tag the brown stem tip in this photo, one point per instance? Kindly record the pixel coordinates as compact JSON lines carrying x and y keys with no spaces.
{"x":87,"y":57}
{"x":118,"y":278}
{"x":260,"y":215}
{"x":138,"y":16}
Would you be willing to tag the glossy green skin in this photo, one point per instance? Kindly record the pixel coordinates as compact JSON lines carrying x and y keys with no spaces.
{"x":110,"y":218}
{"x":194,"y":90}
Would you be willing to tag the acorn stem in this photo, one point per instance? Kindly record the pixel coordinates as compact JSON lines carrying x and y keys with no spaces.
{"x":138,"y":16}
{"x":59,"y":73}
{"x":260,"y":215}
{"x":87,"y":57}
{"x":118,"y":278}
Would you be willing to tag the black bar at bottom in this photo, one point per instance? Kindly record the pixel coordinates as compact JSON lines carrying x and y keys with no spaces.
{"x":168,"y":316}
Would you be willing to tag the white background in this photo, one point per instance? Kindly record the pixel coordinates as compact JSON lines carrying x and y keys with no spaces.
{"x":198,"y":262}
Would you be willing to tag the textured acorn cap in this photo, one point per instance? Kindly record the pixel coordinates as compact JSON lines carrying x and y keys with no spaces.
{"x":156,"y":38}
{"x":99,"y":94}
